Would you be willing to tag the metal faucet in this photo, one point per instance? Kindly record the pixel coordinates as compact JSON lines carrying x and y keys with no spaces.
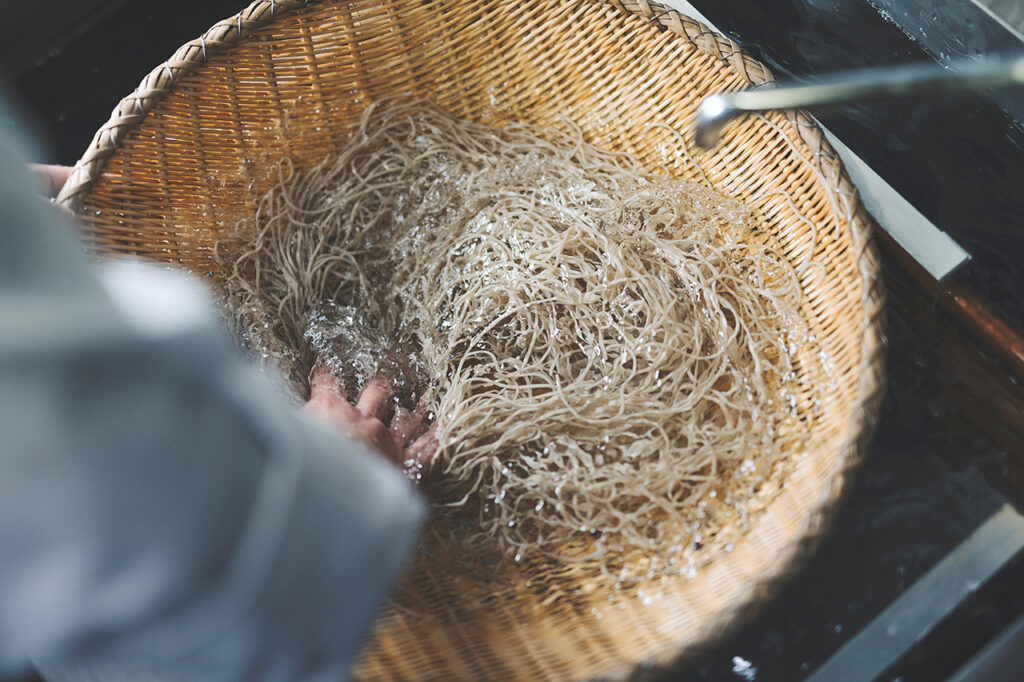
{"x":868,"y":85}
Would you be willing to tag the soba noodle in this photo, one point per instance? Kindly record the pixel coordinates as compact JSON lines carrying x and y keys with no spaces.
{"x":606,"y":352}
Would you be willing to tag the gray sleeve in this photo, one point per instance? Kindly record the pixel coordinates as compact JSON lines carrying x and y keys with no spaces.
{"x":161,"y":507}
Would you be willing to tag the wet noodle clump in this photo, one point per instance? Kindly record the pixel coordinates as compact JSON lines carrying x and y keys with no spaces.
{"x":606,"y":352}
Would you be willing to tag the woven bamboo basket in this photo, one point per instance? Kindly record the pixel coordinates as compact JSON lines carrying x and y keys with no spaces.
{"x":192,"y":150}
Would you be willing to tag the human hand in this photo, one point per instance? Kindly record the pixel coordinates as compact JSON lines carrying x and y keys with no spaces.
{"x":50,"y":178}
{"x":365,"y":420}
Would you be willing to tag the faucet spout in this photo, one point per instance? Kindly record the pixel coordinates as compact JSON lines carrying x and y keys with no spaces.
{"x":892,"y":82}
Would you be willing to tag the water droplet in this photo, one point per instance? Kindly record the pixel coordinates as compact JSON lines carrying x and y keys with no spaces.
{"x":744,"y":668}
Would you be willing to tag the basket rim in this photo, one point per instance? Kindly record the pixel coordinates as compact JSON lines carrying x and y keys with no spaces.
{"x":870,"y":386}
{"x":133,"y":109}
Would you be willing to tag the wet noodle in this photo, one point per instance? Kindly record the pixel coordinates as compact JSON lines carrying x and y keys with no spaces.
{"x":607,"y":352}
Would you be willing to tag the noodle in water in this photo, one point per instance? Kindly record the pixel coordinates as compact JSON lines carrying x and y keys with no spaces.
{"x":606,"y":353}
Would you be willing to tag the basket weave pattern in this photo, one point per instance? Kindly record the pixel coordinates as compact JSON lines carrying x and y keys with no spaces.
{"x":188,"y":154}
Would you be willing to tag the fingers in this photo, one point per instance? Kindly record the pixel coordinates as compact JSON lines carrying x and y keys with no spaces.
{"x":327,"y":398}
{"x":326,"y":388}
{"x":322,"y":379}
{"x":421,"y":452}
{"x":376,"y":435}
{"x":404,"y":425}
{"x":365,"y":420}
{"x":373,"y":401}
{"x":51,"y":178}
